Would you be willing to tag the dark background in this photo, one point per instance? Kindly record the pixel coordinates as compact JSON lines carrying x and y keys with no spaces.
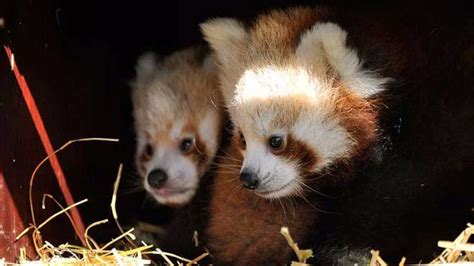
{"x":78,"y":57}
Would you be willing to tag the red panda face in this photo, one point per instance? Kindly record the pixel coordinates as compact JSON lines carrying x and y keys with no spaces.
{"x":172,"y":159}
{"x":178,"y":122}
{"x":277,"y":165}
{"x":299,"y":97}
{"x":289,"y":129}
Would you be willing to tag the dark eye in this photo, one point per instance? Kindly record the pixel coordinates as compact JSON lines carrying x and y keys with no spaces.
{"x":276,"y":143}
{"x":243,"y":144}
{"x":149,"y":150}
{"x":186,"y":145}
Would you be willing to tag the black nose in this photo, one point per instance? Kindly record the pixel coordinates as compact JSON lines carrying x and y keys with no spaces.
{"x":157,"y":178}
{"x":249,"y":179}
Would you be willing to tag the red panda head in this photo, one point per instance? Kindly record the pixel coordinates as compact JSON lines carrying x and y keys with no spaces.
{"x":297,"y":95}
{"x":178,"y":123}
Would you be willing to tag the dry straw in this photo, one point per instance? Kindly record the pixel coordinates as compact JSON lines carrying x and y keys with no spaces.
{"x":302,"y":255}
{"x":90,"y":253}
{"x":459,"y":251}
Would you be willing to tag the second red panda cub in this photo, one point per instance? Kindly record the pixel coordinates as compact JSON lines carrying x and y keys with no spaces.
{"x":179,"y":121}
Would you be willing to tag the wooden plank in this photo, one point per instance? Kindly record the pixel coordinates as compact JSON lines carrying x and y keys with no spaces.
{"x":11,"y":225}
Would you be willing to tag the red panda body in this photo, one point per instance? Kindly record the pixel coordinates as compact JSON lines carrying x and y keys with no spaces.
{"x":245,"y":230}
{"x":179,"y":124}
{"x":373,"y":109}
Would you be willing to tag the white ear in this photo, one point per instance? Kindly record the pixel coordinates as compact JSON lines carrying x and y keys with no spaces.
{"x":146,"y":67}
{"x":325,"y":44}
{"x":224,"y":35}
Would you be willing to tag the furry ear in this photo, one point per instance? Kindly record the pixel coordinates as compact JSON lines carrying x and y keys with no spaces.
{"x":224,"y":35}
{"x":147,"y":65}
{"x":208,"y":64}
{"x":324,"y":45}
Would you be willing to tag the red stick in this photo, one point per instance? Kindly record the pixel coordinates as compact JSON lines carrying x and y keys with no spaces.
{"x":39,"y":125}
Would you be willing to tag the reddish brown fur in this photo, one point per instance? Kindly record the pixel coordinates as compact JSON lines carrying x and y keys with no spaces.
{"x":359,"y":118}
{"x":281,"y":29}
{"x":298,"y":151}
{"x":278,"y":32}
{"x":143,"y":159}
{"x":199,"y":152}
{"x":245,"y":229}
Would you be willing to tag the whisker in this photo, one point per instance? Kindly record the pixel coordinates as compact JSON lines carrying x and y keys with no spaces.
{"x":225,"y":181}
{"x":231,"y":162}
{"x":226,"y":153}
{"x":233,"y":166}
{"x":131,"y":191}
{"x":150,"y":200}
{"x":283,"y":207}
{"x":227,"y":171}
{"x":216,"y":165}
{"x":237,"y":170}
{"x":293,"y":204}
{"x":132,"y":183}
{"x":314,"y":190}
{"x":236,"y":189}
{"x":310,"y":204}
{"x":228,"y":158}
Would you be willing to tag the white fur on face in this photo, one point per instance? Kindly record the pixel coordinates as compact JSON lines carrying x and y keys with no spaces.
{"x":280,"y":177}
{"x":172,"y":100}
{"x":277,"y":176}
{"x":324,"y":134}
{"x":183,"y":175}
{"x":271,"y":82}
{"x":316,"y":125}
{"x":209,"y":131}
{"x":254,"y":96}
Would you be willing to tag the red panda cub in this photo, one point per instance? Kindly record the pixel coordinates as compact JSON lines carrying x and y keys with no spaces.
{"x":178,"y":124}
{"x":301,"y":104}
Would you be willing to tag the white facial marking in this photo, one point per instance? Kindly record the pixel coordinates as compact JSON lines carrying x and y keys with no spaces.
{"x":280,"y":177}
{"x":276,"y":175}
{"x":317,"y":125}
{"x":272,"y":82}
{"x":324,"y":135}
{"x":321,"y":58}
{"x":166,"y":93}
{"x":175,"y":132}
{"x":208,"y":131}
{"x":183,"y":178}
